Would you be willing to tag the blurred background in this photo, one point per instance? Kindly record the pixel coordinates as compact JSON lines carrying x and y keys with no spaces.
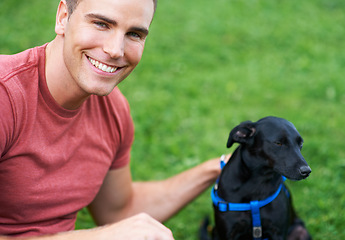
{"x":209,"y":65}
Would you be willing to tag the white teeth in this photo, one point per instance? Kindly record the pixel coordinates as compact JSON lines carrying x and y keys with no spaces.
{"x":101,"y":66}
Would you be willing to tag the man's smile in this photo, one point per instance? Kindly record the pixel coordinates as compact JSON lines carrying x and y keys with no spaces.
{"x":102,"y":66}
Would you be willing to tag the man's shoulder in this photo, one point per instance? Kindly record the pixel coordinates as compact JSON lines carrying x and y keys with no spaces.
{"x":11,"y":65}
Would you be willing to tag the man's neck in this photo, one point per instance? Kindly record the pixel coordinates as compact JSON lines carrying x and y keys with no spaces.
{"x":59,"y":81}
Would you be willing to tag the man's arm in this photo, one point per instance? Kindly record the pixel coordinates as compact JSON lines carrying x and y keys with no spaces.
{"x":120,"y":198}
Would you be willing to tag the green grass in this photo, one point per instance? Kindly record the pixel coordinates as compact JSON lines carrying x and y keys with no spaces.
{"x":209,"y":65}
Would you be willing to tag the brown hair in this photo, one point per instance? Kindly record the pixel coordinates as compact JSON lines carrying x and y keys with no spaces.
{"x":72,"y":4}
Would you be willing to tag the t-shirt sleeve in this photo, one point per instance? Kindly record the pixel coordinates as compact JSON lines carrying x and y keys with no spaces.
{"x":126,"y":125}
{"x":6,"y":120}
{"x":123,"y":153}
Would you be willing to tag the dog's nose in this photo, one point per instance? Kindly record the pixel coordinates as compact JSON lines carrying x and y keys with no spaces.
{"x":305,"y":171}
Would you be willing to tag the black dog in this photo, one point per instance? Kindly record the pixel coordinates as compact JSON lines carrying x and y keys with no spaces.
{"x":269,"y":149}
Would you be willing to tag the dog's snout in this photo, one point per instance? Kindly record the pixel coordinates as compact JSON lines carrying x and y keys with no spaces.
{"x":305,"y":171}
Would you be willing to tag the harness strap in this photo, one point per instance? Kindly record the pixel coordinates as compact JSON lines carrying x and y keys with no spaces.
{"x":253,"y":206}
{"x":225,"y":206}
{"x":257,"y":229}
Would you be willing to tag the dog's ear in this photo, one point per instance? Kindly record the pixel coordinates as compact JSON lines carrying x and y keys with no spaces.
{"x":241,"y":133}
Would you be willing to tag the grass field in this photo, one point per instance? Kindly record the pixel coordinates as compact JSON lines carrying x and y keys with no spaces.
{"x":209,"y":65}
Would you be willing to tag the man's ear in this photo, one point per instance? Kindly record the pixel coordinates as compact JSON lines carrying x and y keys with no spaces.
{"x":241,"y":133}
{"x":61,"y":18}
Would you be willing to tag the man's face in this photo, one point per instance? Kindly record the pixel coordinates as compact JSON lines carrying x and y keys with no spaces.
{"x":104,"y":41}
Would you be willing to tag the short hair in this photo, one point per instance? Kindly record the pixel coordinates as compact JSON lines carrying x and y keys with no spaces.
{"x":72,"y":4}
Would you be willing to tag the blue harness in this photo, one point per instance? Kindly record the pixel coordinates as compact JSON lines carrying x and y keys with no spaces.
{"x":253,"y":206}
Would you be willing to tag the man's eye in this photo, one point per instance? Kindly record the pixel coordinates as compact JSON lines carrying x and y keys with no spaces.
{"x":134,"y":34}
{"x":101,"y":24}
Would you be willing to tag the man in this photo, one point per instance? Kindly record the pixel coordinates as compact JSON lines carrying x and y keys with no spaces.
{"x":66,"y":132}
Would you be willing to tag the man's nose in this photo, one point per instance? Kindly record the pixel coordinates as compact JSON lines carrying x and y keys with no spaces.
{"x":115,"y":46}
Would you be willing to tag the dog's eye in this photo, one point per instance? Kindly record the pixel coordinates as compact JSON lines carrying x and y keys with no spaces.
{"x":278,"y":143}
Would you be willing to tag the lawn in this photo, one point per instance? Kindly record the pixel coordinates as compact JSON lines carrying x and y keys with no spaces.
{"x":209,"y":65}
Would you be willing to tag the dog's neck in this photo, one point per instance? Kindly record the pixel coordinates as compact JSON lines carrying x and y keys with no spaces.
{"x":242,"y":182}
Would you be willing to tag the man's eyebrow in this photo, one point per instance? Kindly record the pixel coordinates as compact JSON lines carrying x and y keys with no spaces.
{"x":101,"y":17}
{"x":143,"y":30}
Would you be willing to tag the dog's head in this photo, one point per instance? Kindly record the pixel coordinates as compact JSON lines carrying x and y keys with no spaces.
{"x":272,"y":143}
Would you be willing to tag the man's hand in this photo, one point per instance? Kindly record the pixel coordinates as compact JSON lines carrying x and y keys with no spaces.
{"x":138,"y":227}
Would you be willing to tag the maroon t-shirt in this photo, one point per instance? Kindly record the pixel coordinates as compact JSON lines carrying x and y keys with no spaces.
{"x":52,"y":160}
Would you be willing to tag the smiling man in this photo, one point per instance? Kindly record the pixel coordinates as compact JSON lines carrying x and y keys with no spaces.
{"x":66,"y":132}
{"x":98,"y":45}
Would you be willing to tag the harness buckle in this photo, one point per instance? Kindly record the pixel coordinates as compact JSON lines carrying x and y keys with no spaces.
{"x":257,"y":232}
